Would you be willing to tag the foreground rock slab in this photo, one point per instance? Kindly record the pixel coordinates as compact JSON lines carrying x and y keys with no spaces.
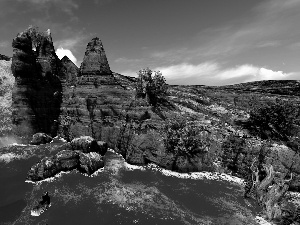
{"x":88,"y":144}
{"x":65,"y":160}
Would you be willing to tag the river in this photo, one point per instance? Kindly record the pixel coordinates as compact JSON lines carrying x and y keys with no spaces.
{"x":121,"y":193}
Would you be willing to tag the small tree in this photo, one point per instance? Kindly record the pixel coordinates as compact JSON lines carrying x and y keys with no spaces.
{"x":270,"y":192}
{"x":154,"y":88}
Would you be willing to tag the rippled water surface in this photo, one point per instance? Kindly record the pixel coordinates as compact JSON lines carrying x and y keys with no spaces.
{"x":121,"y":194}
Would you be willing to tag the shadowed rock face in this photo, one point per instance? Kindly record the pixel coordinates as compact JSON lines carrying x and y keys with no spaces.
{"x":23,"y":61}
{"x":69,"y":72}
{"x":37,"y":90}
{"x":95,"y":61}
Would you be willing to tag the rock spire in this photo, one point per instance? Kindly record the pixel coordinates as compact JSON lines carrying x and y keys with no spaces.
{"x":95,"y":61}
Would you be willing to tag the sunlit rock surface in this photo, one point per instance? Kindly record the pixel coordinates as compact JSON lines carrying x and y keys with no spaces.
{"x":95,"y":60}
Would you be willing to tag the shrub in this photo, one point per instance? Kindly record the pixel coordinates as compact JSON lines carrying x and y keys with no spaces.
{"x":185,"y":138}
{"x":36,"y":36}
{"x":274,"y":119}
{"x":152,"y":87}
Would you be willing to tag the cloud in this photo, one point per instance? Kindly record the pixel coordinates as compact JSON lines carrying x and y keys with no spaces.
{"x":268,"y":44}
{"x":78,"y":38}
{"x":273,"y":23}
{"x":61,"y":52}
{"x":212,"y":73}
{"x":129,"y":73}
{"x":67,"y":43}
{"x":187,"y":71}
{"x":127,"y":60}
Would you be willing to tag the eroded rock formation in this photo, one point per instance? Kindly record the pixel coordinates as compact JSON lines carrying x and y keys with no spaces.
{"x":37,"y":90}
{"x":65,"y":160}
{"x":95,"y":103}
{"x":69,"y":72}
{"x":87,"y":144}
{"x":95,"y":61}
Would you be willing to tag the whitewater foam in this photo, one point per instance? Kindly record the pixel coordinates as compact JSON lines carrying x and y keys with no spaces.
{"x":50,"y":179}
{"x":16,"y":144}
{"x":130,"y":167}
{"x":197,"y":175}
{"x":192,"y":175}
{"x":8,"y":157}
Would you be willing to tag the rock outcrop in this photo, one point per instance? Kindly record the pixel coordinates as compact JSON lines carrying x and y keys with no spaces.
{"x":40,"y":138}
{"x":95,"y":104}
{"x":65,"y":160}
{"x":37,"y":90}
{"x":88,"y":144}
{"x":168,"y":161}
{"x":95,"y":61}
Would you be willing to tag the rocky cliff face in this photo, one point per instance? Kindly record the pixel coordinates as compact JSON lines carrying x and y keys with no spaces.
{"x":37,"y":90}
{"x":94,"y":104}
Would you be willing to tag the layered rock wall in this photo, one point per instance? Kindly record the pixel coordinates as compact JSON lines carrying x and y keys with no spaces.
{"x":95,"y":102}
{"x":95,"y":61}
{"x":69,"y":72}
{"x":37,"y":90}
{"x":53,"y":96}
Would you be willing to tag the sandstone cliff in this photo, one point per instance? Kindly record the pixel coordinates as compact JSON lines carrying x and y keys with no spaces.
{"x":95,"y":61}
{"x":98,"y":98}
{"x":37,"y":90}
{"x":69,"y":72}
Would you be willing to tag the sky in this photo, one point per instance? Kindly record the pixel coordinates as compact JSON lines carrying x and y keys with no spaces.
{"x":192,"y":42}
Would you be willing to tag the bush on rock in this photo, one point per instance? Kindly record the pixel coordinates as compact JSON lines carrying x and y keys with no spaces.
{"x":40,"y":138}
{"x":154,"y":88}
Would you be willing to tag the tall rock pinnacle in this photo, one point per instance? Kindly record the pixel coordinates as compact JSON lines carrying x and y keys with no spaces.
{"x":95,"y":61}
{"x":36,"y":95}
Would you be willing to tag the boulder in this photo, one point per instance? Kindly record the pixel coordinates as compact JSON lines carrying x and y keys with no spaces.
{"x":90,"y":162}
{"x":85,"y":144}
{"x":65,"y":160}
{"x":40,"y":138}
{"x":44,"y":169}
